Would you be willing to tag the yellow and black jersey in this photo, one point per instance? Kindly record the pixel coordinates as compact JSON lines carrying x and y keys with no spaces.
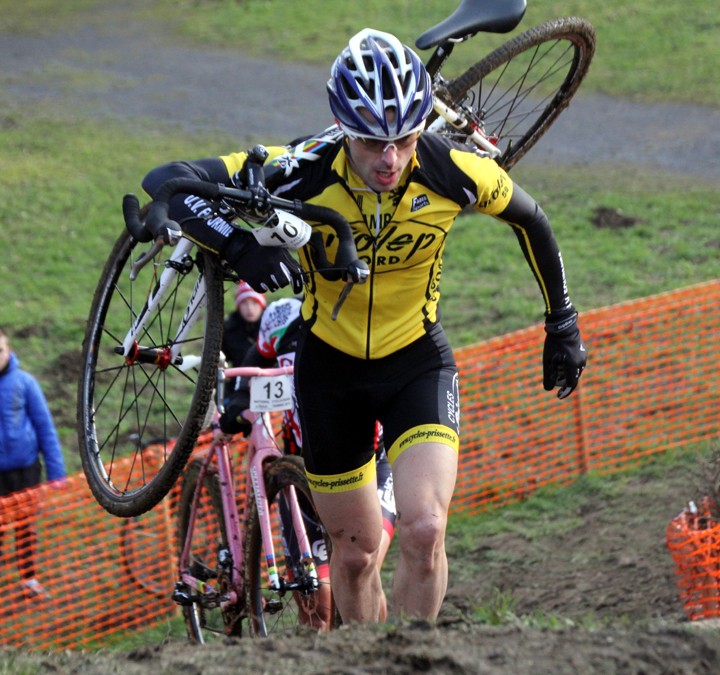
{"x":401,"y":235}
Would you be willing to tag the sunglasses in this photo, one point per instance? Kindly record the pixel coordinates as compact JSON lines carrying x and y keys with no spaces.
{"x":382,"y":145}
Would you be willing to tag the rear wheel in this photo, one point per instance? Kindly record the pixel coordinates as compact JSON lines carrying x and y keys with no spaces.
{"x":161,"y":390}
{"x":515,"y":93}
{"x":209,"y":559}
{"x":272,"y":611}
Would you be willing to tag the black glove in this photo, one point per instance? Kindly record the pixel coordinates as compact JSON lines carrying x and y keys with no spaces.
{"x":564,"y":355}
{"x":265,"y":268}
{"x":232,"y":421}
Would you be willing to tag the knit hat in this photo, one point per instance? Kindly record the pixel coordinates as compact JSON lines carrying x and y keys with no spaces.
{"x":245,"y":292}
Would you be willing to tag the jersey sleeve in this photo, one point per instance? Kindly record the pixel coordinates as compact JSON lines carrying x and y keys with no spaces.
{"x":493,"y":187}
{"x":235,"y":161}
{"x":539,"y":246}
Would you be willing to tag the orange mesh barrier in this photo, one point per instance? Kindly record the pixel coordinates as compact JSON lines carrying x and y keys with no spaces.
{"x":693,"y":538}
{"x":652,"y":384}
{"x":101,"y":575}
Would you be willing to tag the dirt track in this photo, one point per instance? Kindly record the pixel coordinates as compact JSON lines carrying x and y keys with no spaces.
{"x":610,"y":561}
{"x":602,"y":572}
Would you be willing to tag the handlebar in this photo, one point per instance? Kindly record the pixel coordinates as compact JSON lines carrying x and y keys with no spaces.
{"x":158,"y":226}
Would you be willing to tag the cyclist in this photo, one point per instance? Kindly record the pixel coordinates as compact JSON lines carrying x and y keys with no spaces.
{"x":276,"y":343}
{"x":386,"y":356}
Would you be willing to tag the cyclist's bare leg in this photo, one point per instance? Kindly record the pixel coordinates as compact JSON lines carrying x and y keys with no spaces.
{"x":424,"y":479}
{"x":316,"y":610}
{"x":354,"y":522}
{"x":382,"y":552}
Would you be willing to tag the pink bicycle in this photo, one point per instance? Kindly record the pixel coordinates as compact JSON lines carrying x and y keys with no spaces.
{"x":267,"y":560}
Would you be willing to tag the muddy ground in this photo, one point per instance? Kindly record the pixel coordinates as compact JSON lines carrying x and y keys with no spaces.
{"x":592,"y":591}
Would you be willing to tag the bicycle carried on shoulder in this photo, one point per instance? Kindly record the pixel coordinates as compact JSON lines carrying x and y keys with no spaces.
{"x":151,"y":348}
{"x":266,"y":561}
{"x":506,"y":102}
{"x":148,"y":313}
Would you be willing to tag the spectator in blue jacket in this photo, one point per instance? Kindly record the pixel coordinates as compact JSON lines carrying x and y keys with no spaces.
{"x":26,"y":431}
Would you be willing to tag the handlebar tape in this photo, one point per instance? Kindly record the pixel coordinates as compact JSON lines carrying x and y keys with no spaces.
{"x":131,"y":214}
{"x":347,"y":257}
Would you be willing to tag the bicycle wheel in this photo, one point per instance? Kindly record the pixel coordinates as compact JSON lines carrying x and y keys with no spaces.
{"x":515,"y":93}
{"x":204,"y":618}
{"x":145,"y":555}
{"x":276,"y":611}
{"x":153,"y":394}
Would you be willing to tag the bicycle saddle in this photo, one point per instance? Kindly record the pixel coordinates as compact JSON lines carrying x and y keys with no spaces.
{"x":474,"y":16}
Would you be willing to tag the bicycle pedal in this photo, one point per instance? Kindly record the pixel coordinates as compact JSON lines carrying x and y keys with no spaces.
{"x":182,"y":598}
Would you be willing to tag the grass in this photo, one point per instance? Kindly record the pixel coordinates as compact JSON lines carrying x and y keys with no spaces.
{"x":646,"y":51}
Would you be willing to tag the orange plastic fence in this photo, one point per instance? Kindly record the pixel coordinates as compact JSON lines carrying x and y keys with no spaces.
{"x":652,"y":383}
{"x":693,"y":538}
{"x":101,"y":575}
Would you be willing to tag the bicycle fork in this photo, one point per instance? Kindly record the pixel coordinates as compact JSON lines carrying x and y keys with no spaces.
{"x":228,"y":559}
{"x":275,"y":582}
{"x":165,"y":355}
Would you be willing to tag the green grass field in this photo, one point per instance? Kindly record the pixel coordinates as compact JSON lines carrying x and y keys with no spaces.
{"x":646,"y":50}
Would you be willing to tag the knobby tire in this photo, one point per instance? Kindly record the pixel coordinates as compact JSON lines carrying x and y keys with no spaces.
{"x":271,"y":612}
{"x":138,"y":423}
{"x":208,"y":537}
{"x":542,"y":69}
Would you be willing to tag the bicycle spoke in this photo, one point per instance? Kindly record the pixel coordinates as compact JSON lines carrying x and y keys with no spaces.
{"x":514,"y":94}
{"x":135,"y":396}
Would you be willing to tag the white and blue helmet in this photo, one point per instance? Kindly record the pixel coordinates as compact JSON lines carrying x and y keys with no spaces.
{"x":378,"y":87}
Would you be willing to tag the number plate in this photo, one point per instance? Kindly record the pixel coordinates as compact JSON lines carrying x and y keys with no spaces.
{"x":271,"y":393}
{"x":285,"y":230}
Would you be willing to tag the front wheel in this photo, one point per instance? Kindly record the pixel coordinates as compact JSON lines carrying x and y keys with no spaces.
{"x":300,"y":601}
{"x":515,"y":93}
{"x":139,"y":414}
{"x":208,"y":562}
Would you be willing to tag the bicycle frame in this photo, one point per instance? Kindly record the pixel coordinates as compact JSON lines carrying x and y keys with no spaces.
{"x":261,"y":449}
{"x":463,"y":124}
{"x":197,"y":301}
{"x":454,"y":117}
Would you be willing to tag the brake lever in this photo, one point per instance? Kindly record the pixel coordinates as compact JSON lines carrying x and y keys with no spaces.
{"x":341,"y":299}
{"x":145,"y":258}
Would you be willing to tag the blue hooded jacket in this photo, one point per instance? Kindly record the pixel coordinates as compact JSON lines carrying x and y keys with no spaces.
{"x":26,"y":425}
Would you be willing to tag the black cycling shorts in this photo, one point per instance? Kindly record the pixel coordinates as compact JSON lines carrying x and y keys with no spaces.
{"x":413,"y":393}
{"x":20,"y":479}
